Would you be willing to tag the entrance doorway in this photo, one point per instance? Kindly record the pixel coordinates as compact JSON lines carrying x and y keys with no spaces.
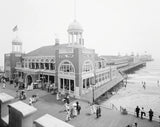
{"x":29,"y":79}
{"x":67,"y":85}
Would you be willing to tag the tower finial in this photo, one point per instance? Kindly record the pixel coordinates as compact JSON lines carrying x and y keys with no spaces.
{"x":75,"y":10}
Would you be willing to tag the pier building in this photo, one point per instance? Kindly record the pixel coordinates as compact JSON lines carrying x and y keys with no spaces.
{"x":72,"y":67}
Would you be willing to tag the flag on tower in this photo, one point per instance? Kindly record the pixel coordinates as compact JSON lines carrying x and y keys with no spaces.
{"x":15,"y":28}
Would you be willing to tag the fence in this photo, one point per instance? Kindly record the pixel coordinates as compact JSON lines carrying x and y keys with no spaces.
{"x":131,"y":111}
{"x":156,"y":115}
{"x":110,"y":106}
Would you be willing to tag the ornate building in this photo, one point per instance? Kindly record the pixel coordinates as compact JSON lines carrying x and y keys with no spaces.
{"x":73,"y":68}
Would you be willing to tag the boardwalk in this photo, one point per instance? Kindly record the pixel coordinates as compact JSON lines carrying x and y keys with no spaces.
{"x":110,"y":118}
{"x":98,"y":91}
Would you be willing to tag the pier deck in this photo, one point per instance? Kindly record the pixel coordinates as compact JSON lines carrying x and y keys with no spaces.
{"x":110,"y":118}
{"x":98,"y":91}
{"x":132,"y":66}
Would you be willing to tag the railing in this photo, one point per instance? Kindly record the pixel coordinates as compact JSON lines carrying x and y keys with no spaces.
{"x":131,"y":111}
{"x":156,"y":115}
{"x":110,"y":106}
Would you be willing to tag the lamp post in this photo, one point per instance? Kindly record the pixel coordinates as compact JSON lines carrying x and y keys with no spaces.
{"x":93,"y":84}
{"x":93,"y":93}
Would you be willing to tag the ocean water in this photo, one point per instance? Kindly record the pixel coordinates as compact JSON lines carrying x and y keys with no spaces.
{"x":135,"y":95}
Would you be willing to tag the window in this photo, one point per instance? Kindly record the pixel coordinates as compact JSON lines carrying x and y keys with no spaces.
{"x":102,"y":77}
{"x":25,"y":65}
{"x":96,"y":78}
{"x":47,"y":66}
{"x":42,"y":66}
{"x":61,"y":84}
{"x":87,"y":66}
{"x":87,"y":82}
{"x":99,"y":65}
{"x":30,"y":65}
{"x":84,"y":83}
{"x":52,"y":65}
{"x":66,"y":67}
{"x":37,"y":65}
{"x":72,"y":85}
{"x":66,"y":84}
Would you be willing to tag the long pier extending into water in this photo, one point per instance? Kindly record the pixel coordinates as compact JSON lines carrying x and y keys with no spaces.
{"x":120,"y":77}
{"x":132,"y":66}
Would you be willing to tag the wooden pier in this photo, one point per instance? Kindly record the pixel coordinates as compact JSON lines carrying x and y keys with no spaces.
{"x":132,"y":67}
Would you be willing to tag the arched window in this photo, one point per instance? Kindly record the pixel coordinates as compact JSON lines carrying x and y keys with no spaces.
{"x":66,"y":66}
{"x":87,"y":66}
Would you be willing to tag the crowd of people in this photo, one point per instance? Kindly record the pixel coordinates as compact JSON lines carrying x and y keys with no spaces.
{"x":72,"y":109}
{"x":95,"y":109}
{"x":141,"y":113}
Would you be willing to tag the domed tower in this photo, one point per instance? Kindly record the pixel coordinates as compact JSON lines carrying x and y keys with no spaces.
{"x":75,"y":31}
{"x":16,"y":45}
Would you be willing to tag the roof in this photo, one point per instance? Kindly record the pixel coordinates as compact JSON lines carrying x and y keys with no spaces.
{"x":75,"y":26}
{"x":50,"y":121}
{"x":45,"y":50}
{"x":5,"y":97}
{"x":24,"y":108}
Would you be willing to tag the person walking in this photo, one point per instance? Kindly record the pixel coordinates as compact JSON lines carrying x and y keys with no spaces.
{"x":68,"y":115}
{"x":74,"y":109}
{"x":94,"y":108}
{"x":30,"y":101}
{"x":58,"y":96}
{"x":144,"y":86}
{"x":4,"y":84}
{"x":150,"y":114}
{"x":99,"y":111}
{"x":71,"y":112}
{"x":78,"y":107}
{"x":91,"y":108}
{"x":142,"y":113}
{"x":137,"y":111}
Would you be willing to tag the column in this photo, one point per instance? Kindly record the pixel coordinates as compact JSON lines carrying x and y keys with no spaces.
{"x":43,"y":65}
{"x":16,"y":48}
{"x":63,"y":85}
{"x":81,"y":39}
{"x":48,"y":78}
{"x":39,"y":65}
{"x":77,"y":38}
{"x":72,"y":38}
{"x":68,"y":38}
{"x":35,"y":66}
{"x":49,"y":64}
{"x":20,"y":48}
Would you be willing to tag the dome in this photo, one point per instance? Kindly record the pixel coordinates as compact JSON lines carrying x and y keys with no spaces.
{"x":16,"y":40}
{"x":75,"y":27}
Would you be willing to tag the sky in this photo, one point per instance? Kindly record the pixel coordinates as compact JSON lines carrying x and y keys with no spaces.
{"x":110,"y":26}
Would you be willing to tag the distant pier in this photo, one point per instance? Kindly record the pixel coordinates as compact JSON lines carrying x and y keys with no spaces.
{"x":132,"y":66}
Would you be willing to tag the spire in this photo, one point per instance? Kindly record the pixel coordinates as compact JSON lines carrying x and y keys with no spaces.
{"x":75,"y":10}
{"x":56,"y":39}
